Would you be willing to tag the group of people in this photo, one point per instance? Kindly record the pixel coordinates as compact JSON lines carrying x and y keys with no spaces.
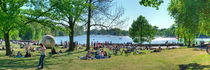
{"x":53,"y":51}
{"x":98,"y":43}
{"x":28,"y":49}
{"x":42,"y":49}
{"x":19,"y":55}
{"x":98,"y":53}
{"x":128,"y":48}
{"x":67,"y":43}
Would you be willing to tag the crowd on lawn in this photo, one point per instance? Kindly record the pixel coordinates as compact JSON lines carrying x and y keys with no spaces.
{"x":98,"y":52}
{"x":27,"y":46}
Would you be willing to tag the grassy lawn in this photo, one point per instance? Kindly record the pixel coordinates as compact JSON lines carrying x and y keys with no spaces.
{"x":182,"y":58}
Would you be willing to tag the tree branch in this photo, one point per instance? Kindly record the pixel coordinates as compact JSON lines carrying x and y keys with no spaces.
{"x":40,"y":15}
{"x":101,"y":25}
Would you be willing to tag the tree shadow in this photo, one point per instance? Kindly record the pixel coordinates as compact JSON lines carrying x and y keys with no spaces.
{"x":198,"y":49}
{"x":32,"y":62}
{"x":65,"y":54}
{"x":16,"y":63}
{"x":193,"y":66}
{"x":25,"y":63}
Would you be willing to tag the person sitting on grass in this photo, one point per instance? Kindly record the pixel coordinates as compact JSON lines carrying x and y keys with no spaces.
{"x":28,"y":54}
{"x":53,"y":51}
{"x":31,"y":49}
{"x":102,"y":55}
{"x":88,"y":56}
{"x":92,"y":52}
{"x":106,"y":55}
{"x":19,"y":55}
{"x":3,"y":48}
{"x":60,"y":52}
{"x":97,"y":51}
{"x":157,"y":50}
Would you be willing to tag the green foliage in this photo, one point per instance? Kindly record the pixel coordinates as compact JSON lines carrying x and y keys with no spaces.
{"x":151,"y":3}
{"x":71,"y":12}
{"x":191,"y":18}
{"x":79,"y":30}
{"x":62,"y":31}
{"x":36,"y":31}
{"x":11,"y":19}
{"x":10,"y":14}
{"x":33,"y":31}
{"x":68,"y":10}
{"x":169,"y":32}
{"x":141,"y":30}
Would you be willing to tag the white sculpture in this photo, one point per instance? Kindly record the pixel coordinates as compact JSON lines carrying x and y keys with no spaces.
{"x":48,"y":41}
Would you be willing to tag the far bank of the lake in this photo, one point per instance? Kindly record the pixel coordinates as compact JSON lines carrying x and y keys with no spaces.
{"x":118,"y":39}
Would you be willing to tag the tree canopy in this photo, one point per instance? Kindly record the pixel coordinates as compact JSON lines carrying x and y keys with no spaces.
{"x":69,"y":12}
{"x":191,"y":18}
{"x":141,"y":31}
{"x":151,"y":3}
{"x":14,"y":17}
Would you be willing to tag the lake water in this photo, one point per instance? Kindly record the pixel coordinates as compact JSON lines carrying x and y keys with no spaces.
{"x":117,"y":39}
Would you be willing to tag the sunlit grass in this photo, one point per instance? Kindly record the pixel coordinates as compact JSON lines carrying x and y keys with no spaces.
{"x":165,"y":60}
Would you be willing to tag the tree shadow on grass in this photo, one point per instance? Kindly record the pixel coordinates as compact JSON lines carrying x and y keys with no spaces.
{"x":32,"y":62}
{"x":16,"y":63}
{"x":24,"y":63}
{"x":65,"y":54}
{"x":198,"y":49}
{"x":193,"y":66}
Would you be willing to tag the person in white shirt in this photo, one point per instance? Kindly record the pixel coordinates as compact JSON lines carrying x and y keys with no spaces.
{"x":43,"y":53}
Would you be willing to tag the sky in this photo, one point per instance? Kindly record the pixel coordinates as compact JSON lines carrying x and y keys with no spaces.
{"x":133,"y":10}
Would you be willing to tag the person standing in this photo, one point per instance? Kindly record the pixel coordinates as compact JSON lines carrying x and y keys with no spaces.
{"x":41,"y":60}
{"x":166,"y":44}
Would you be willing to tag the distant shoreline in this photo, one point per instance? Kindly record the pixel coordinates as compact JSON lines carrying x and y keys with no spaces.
{"x":127,"y":35}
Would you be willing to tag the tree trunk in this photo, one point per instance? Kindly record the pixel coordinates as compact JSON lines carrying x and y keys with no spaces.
{"x":189,"y":42}
{"x":7,"y":43}
{"x":88,"y":27}
{"x":71,"y":37}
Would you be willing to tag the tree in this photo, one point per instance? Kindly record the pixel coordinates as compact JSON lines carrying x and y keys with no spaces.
{"x":10,"y":18}
{"x":152,"y":32}
{"x":167,"y":32}
{"x":99,"y":12}
{"x":13,"y":17}
{"x":69,"y":12}
{"x":151,"y":3}
{"x":88,"y":24}
{"x":33,"y":31}
{"x":79,"y":30}
{"x":141,"y":31}
{"x":191,"y":18}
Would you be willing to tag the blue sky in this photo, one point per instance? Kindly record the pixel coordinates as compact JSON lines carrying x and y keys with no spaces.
{"x":155,"y":17}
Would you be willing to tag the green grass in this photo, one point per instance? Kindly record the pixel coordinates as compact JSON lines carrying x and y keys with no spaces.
{"x":189,"y":58}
